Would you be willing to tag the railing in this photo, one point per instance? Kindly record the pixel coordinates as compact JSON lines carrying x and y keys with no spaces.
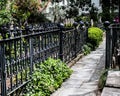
{"x":23,"y":48}
{"x":113,"y":46}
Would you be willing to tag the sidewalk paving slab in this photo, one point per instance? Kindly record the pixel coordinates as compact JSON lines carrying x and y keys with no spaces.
{"x":113,"y":79}
{"x":110,"y":92}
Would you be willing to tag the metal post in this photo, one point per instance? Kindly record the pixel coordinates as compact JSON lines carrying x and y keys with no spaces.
{"x":82,"y":32}
{"x":61,"y":26}
{"x":107,"y":61}
{"x":75,"y":24}
{"x":75,"y":38}
{"x":87,"y":26}
{"x":119,"y":10}
{"x":29,"y":30}
{"x":3,"y":73}
{"x":111,"y":46}
{"x":31,"y":55}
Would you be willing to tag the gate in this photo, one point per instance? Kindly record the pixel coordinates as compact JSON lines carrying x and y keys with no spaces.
{"x":113,"y":46}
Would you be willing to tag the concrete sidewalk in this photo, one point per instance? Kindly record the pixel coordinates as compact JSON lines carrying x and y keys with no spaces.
{"x":112,"y":87}
{"x":86,"y":73}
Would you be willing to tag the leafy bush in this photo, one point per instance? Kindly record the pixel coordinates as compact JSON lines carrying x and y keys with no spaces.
{"x":86,"y":49}
{"x":5,"y":17}
{"x":95,"y":36}
{"x":48,"y":76}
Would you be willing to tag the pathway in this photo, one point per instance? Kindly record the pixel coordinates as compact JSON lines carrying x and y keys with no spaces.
{"x":112,"y":87}
{"x":86,"y":73}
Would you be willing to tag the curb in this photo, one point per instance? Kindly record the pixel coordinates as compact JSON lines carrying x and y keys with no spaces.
{"x":73,"y":62}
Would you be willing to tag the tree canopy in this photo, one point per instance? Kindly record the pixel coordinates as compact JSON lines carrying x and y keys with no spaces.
{"x":108,"y":7}
{"x":20,"y":10}
{"x":75,"y":5}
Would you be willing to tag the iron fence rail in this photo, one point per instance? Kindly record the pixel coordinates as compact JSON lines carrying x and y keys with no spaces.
{"x":21,"y":52}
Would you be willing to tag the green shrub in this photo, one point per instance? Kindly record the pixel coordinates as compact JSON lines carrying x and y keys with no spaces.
{"x":47,"y":78}
{"x":95,"y":36}
{"x":86,"y":49}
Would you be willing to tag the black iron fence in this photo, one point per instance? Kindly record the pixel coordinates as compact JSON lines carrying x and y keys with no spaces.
{"x":21,"y":49}
{"x":113,"y":46}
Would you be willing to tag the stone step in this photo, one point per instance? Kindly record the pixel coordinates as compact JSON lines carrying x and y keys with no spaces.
{"x":110,"y":92}
{"x":113,"y":79}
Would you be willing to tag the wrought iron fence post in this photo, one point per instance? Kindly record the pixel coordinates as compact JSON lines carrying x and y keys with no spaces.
{"x":107,"y":60}
{"x":82,"y":32}
{"x":61,"y":26}
{"x":75,"y":24}
{"x":3,"y":73}
{"x":3,"y":30}
{"x":87,"y":26}
{"x":28,"y":31}
{"x":31,"y":55}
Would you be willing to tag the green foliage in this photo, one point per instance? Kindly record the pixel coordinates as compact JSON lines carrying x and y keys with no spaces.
{"x":29,"y":9}
{"x":78,"y":18}
{"x":69,"y":25}
{"x":5,"y":16}
{"x":5,"y":12}
{"x":26,"y":5}
{"x":80,"y":3}
{"x":72,"y":12}
{"x":83,"y":18}
{"x":107,"y":6}
{"x":102,"y":80}
{"x":57,"y":1}
{"x":3,"y":4}
{"x":94,"y":13}
{"x":19,"y":11}
{"x":86,"y":49}
{"x":40,"y":17}
{"x":95,"y":36}
{"x":105,"y":10}
{"x":48,"y":76}
{"x":74,"y":6}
